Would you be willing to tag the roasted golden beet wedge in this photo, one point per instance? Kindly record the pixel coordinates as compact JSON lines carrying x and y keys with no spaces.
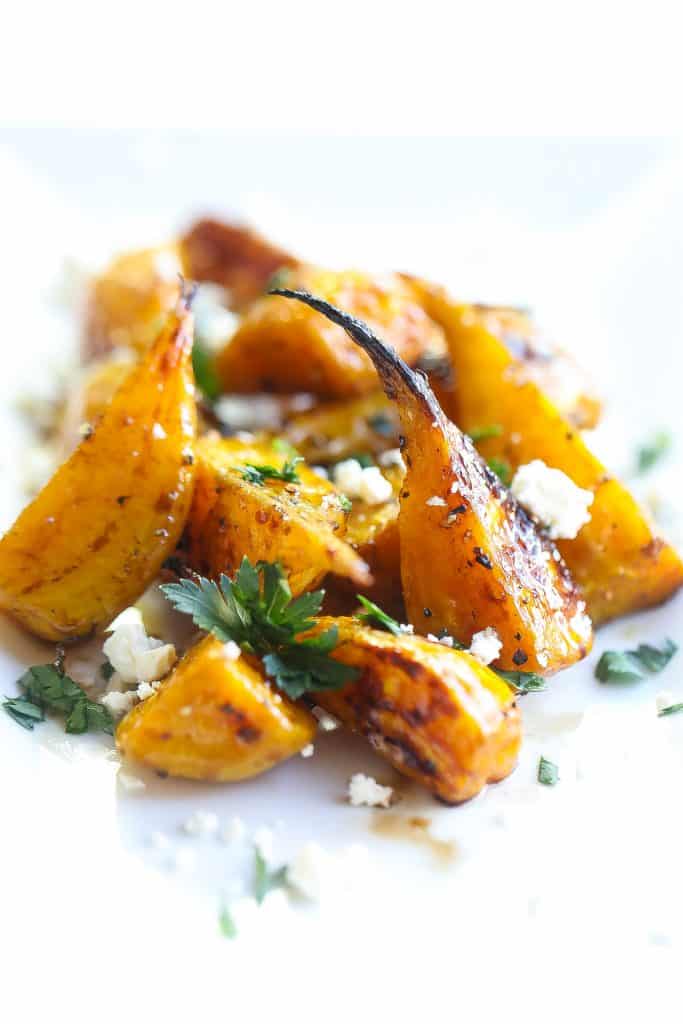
{"x":337,"y":430}
{"x":619,"y":559}
{"x":470,"y":557}
{"x":437,"y":714}
{"x":300,"y":523}
{"x":215,"y":718}
{"x":128,"y":302}
{"x":98,"y":532}
{"x":281,"y":347}
{"x":234,"y":256}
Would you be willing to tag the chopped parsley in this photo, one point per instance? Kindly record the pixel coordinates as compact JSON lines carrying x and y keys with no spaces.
{"x":205,"y":376}
{"x":48,"y":688}
{"x":346,"y":503}
{"x":483,"y":433}
{"x":266,"y":880}
{"x":628,"y":666}
{"x":672,"y":709}
{"x":282,"y":445}
{"x":259,"y":474}
{"x":548,"y":772}
{"x":502,"y":469}
{"x":226,"y":923}
{"x":256,"y":611}
{"x":522,"y":682}
{"x":653,"y":451}
{"x":374,"y":616}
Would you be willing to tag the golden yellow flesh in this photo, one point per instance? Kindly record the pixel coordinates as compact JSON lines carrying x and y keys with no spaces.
{"x":337,"y":430}
{"x":437,"y":714}
{"x":619,"y":559}
{"x":301,"y":524}
{"x":98,"y":532}
{"x":214,"y":718}
{"x":280,"y":346}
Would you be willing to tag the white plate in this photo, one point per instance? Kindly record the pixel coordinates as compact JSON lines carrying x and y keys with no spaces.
{"x":583,"y":874}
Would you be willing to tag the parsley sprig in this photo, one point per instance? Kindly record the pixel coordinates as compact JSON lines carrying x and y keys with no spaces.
{"x":483,"y":433}
{"x":256,"y":611}
{"x":548,"y":773}
{"x":259,"y":474}
{"x":629,"y":666}
{"x":374,"y":616}
{"x":653,"y":451}
{"x":48,"y":688}
{"x":502,"y":469}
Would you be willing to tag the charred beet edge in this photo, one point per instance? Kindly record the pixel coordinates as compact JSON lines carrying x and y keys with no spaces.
{"x":391,"y":368}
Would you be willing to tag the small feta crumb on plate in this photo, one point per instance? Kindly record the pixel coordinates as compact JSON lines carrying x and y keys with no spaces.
{"x":308,"y":750}
{"x":365,"y":791}
{"x":130,"y":782}
{"x":201,"y":824}
{"x":366,"y":483}
{"x":119,"y":704}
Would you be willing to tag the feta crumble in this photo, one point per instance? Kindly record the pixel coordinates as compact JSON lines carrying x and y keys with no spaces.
{"x":231,"y":651}
{"x":119,"y":704}
{"x":486,"y":646}
{"x":309,"y":871}
{"x":366,"y":791}
{"x":554,"y":499}
{"x":367,"y":483}
{"x":234,"y":831}
{"x":446,"y":640}
{"x":392,"y":457}
{"x":665,"y":699}
{"x":146,"y":690}
{"x":201,"y":824}
{"x":326,"y":722}
{"x":130,"y":782}
{"x":136,"y":657}
{"x":308,"y":750}
{"x":436,"y":501}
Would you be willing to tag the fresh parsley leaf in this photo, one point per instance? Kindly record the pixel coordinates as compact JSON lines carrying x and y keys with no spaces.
{"x":522,"y":682}
{"x":23,"y":711}
{"x":548,"y":773}
{"x":382,"y":424}
{"x":374,"y":616}
{"x":654,"y":659}
{"x":672,"y":709}
{"x":266,"y":880}
{"x":483,"y":433}
{"x":345,"y":503}
{"x":502,"y":469}
{"x":259,"y":474}
{"x":649,"y":454}
{"x":628,"y":666}
{"x":256,"y":610}
{"x":48,"y":688}
{"x":226,"y":923}
{"x":205,"y":376}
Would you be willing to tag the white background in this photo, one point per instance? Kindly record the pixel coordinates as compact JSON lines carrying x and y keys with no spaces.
{"x":559,"y":902}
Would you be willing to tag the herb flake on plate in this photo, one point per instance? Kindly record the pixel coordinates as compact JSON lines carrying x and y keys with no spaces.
{"x":548,"y":773}
{"x":629,"y":666}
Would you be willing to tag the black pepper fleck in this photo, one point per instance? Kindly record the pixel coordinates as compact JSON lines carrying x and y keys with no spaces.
{"x":519,"y":657}
{"x":482,"y":558}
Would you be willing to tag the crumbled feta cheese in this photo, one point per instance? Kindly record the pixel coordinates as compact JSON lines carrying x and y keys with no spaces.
{"x":486,"y":646}
{"x":356,"y":482}
{"x":234,"y":831}
{"x":554,"y":499}
{"x":436,"y":501}
{"x":326,"y":722}
{"x":128,"y":617}
{"x":146,"y":690}
{"x":231,"y":651}
{"x":364,"y":790}
{"x":130,"y":782}
{"x":406,"y":627}
{"x":85,"y":429}
{"x":119,"y":704}
{"x":308,"y":750}
{"x":320,"y":471}
{"x":446,"y":640}
{"x":309,"y":871}
{"x":201,"y":823}
{"x":255,"y":412}
{"x":392,"y":457}
{"x":136,"y":657}
{"x":263,"y":841}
